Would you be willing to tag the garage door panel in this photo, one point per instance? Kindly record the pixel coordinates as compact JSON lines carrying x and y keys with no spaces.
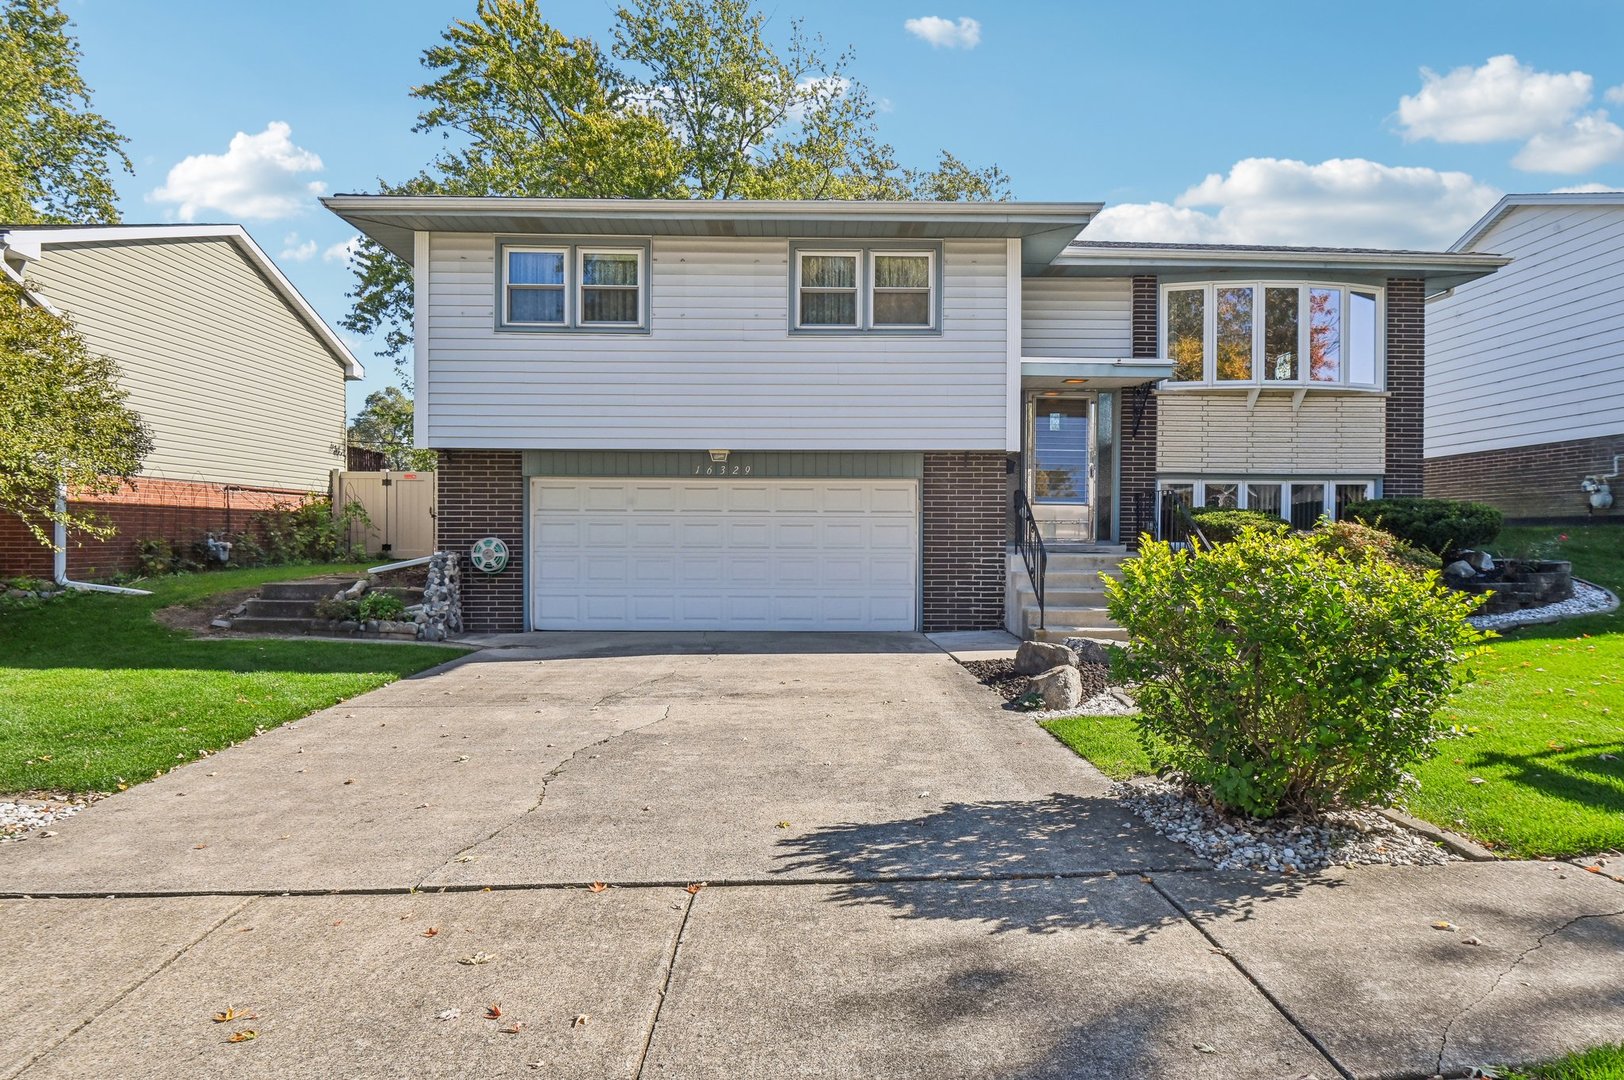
{"x":730,"y":555}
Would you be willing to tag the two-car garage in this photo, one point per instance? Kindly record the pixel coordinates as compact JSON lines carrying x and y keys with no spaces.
{"x":733,"y":553}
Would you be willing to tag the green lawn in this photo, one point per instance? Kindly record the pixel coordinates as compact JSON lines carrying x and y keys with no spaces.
{"x":1542,"y":727}
{"x":95,"y":694}
{"x":1602,"y":1063}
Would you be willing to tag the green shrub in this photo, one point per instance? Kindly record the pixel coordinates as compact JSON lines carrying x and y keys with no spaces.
{"x":1355,"y":541}
{"x":381,"y":606}
{"x":334,"y":610}
{"x":1220,"y":526}
{"x":307,"y":531}
{"x":1437,"y":525}
{"x":1284,"y":675}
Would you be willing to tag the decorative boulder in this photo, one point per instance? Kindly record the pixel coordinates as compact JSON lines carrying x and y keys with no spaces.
{"x":1039,"y":656}
{"x":1481,"y":561}
{"x":1459,"y":570}
{"x":1090,"y":653}
{"x":354,"y":591}
{"x":1061,"y":687}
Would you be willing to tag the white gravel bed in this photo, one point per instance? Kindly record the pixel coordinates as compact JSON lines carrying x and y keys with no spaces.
{"x":1339,"y":838}
{"x":1587,"y":599}
{"x":19,"y":818}
{"x":1109,"y":703}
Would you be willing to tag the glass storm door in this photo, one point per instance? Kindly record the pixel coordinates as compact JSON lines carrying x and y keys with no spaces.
{"x":1061,"y":477}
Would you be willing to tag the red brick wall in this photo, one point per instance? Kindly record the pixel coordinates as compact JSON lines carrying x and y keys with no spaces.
{"x":1138,"y":472}
{"x":1406,"y":355}
{"x":965,"y":515}
{"x":481,"y":494}
{"x":1531,"y":482}
{"x":149,"y":508}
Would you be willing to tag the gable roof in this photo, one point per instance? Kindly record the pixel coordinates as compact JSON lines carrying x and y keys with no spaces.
{"x":1045,"y":227}
{"x":30,"y":241}
{"x":1548,"y":198}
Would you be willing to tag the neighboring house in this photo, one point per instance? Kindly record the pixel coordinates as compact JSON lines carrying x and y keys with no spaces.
{"x":238,"y":378}
{"x":1525,"y":383}
{"x":827,"y":415}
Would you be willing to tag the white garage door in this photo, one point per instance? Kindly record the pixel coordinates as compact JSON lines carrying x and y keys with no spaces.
{"x":724,"y":555}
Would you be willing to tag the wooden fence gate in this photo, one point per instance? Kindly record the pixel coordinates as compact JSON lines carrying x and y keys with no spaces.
{"x":401,"y":506}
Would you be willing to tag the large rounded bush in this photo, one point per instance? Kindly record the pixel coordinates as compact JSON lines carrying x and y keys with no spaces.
{"x":1284,"y":674}
{"x":1438,"y":525}
{"x":1221,"y":525}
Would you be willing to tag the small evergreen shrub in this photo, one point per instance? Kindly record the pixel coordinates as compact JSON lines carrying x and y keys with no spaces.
{"x":1355,"y":541}
{"x":1283,"y":674}
{"x":1436,"y":525}
{"x":1220,"y":526}
{"x":380,"y":606}
{"x":334,"y":610}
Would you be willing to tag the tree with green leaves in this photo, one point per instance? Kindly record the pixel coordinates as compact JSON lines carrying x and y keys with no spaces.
{"x":57,"y":157}
{"x":63,"y":419}
{"x":692,"y":100}
{"x":384,"y":424}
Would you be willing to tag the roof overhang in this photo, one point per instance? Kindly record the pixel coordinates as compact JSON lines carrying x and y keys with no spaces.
{"x":1440,"y":270}
{"x":1509,"y":203}
{"x":1056,"y":372}
{"x":31,"y":243}
{"x":1045,"y":228}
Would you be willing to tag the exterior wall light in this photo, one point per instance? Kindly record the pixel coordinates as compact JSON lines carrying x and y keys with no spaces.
{"x":720,"y":456}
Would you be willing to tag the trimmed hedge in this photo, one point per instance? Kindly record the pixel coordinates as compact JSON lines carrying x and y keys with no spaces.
{"x":1436,"y":525}
{"x":1222,"y":526}
{"x":1355,"y":541}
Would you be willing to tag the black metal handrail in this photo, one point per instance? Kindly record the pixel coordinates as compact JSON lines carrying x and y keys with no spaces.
{"x":1176,"y":524}
{"x":1029,"y":542}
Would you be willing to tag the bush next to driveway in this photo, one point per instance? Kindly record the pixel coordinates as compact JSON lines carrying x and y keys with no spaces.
{"x":1285,"y":673}
{"x":95,"y":694}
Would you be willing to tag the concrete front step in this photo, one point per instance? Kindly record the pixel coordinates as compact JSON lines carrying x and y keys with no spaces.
{"x":1056,"y":632}
{"x":1061,"y":597}
{"x":1068,"y":616}
{"x":260,"y":608}
{"x":255,"y":624}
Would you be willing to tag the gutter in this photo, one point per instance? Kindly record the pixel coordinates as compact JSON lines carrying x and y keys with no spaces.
{"x":60,"y":556}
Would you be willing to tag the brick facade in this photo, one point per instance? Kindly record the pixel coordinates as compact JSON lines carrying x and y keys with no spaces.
{"x":1138,"y":465}
{"x":1406,"y":355}
{"x":965,"y":559}
{"x":149,"y":508}
{"x":481,"y":494}
{"x":1538,"y":482}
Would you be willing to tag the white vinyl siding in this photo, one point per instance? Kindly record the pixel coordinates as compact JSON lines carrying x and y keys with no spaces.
{"x":1081,"y":318}
{"x":234,"y":385}
{"x":719,"y":366}
{"x":1533,"y":353}
{"x":1212,"y":434}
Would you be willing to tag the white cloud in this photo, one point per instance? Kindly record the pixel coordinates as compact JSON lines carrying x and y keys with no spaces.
{"x":945,"y":33}
{"x":1583,"y":189}
{"x":342,"y":252}
{"x":259,"y":176}
{"x":1344,"y":202}
{"x":1503,"y":99}
{"x":297,"y":250}
{"x":1614,"y":95}
{"x":815,"y":90}
{"x":1578,"y":147}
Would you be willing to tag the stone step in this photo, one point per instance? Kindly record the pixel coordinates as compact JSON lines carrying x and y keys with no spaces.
{"x":304,"y":590}
{"x":1056,"y":632}
{"x":253,"y":624}
{"x":260,"y":608}
{"x":1068,"y":616}
{"x":1060,"y":597}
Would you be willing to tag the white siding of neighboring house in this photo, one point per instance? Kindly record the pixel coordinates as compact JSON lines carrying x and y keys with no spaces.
{"x":719,"y":367}
{"x":1535,"y":352}
{"x":233,"y":384}
{"x":1087,"y":318}
{"x":1217,"y":435}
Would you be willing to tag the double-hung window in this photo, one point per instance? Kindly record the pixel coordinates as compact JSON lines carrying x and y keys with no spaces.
{"x":573,"y":287}
{"x":1273,"y":334}
{"x":864,"y":289}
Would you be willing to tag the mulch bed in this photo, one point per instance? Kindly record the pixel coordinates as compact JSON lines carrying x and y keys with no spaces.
{"x":1001,"y":676}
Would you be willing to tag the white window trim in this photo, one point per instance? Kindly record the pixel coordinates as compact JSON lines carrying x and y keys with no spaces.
{"x":1209,"y":340}
{"x":1328,"y":486}
{"x":579,"y":292}
{"x":856,"y":256}
{"x":508,"y":287}
{"x":929,"y":290}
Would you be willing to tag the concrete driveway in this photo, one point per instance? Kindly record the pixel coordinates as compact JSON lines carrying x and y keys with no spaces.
{"x":901,"y":879}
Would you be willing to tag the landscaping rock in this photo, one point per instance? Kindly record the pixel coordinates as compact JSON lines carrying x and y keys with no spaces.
{"x":1034,"y":657}
{"x":1089,"y":652}
{"x":220,"y":624}
{"x":392,"y":626}
{"x":1061,"y":687}
{"x":1480,"y":561}
{"x":1460,"y":570}
{"x":441,"y":614}
{"x":354,"y":591}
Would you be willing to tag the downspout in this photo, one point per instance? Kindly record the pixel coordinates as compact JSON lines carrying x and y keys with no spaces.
{"x":61,"y":555}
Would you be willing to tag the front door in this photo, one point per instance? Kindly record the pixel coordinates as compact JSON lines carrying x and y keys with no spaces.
{"x":1060,"y":465}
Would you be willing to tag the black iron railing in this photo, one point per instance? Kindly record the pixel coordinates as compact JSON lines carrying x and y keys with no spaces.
{"x":1029,"y":542}
{"x":1169,"y":519}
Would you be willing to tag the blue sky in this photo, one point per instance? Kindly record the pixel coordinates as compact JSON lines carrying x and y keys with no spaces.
{"x":1198,"y":121}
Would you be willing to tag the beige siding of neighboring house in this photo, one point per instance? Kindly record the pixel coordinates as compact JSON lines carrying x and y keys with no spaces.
{"x":719,"y":366}
{"x":1330,"y":434}
{"x":1086,"y":318}
{"x":234,"y":385}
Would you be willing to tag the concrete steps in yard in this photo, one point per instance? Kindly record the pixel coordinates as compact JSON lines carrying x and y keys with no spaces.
{"x":289,"y":607}
{"x":1074,"y":596}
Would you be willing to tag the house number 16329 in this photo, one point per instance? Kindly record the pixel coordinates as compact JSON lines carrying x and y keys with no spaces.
{"x":721,"y":470}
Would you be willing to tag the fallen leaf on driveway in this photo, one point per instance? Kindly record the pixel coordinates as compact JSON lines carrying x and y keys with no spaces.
{"x":696,"y":886}
{"x":232,"y":1013}
{"x":431,"y":931}
{"x":477,"y":958}
{"x":513,"y":1028}
{"x":1471,"y":941}
{"x":1206,"y":1048}
{"x":1443,"y":924}
{"x":493,"y":1011}
{"x":579,"y":1021}
{"x":783,"y":824}
{"x":245,"y":1035}
{"x":597,"y":886}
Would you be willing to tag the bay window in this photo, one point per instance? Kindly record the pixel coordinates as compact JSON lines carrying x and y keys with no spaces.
{"x":1273,"y":334}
